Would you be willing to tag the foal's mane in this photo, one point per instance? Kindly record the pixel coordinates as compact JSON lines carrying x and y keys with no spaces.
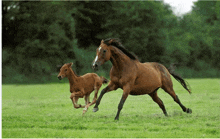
{"x":116,"y":42}
{"x":75,"y":73}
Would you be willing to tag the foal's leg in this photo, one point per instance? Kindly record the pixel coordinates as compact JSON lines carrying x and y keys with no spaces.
{"x":87,"y":103}
{"x":95,"y":96}
{"x":75,"y":100}
{"x":158,"y":101}
{"x":87,"y":99}
{"x":79,"y":94}
{"x":93,"y":101}
{"x":170,"y":91}
{"x":110,"y":87}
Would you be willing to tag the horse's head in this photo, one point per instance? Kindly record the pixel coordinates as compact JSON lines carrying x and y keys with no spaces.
{"x":64,"y":70}
{"x":103,"y":54}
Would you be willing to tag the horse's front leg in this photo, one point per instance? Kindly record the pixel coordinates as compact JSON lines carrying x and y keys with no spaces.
{"x":111,"y":86}
{"x":126,"y":91}
{"x":75,"y":100}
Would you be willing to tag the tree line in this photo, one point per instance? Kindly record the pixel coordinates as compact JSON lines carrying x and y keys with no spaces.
{"x":38,"y":36}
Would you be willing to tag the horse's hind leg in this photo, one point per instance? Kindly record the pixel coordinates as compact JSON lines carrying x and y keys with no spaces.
{"x":158,"y":101}
{"x":170,"y":91}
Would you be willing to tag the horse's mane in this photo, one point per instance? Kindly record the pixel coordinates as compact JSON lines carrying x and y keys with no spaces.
{"x":116,"y":42}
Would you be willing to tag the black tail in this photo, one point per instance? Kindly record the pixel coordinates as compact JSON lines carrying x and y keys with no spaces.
{"x":179,"y":78}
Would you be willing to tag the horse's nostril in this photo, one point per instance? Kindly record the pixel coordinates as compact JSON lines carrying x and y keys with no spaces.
{"x":59,"y":77}
{"x":95,"y":66}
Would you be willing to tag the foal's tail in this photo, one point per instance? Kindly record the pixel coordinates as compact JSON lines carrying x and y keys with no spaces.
{"x":179,"y":78}
{"x":104,"y":80}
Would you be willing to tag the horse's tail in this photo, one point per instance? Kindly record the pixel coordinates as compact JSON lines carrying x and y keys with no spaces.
{"x":104,"y":80}
{"x":179,"y":78}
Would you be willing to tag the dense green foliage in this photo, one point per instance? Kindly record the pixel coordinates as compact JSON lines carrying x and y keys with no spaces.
{"x":45,"y":111}
{"x":38,"y":36}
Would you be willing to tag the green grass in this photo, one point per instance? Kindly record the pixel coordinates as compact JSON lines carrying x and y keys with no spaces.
{"x":45,"y":111}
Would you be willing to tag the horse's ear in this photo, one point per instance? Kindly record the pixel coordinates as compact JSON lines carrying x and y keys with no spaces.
{"x":102,"y":41}
{"x":110,"y":42}
{"x":70,"y":64}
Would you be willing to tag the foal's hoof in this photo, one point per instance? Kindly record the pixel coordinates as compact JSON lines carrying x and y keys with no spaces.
{"x":95,"y":109}
{"x":189,"y":110}
{"x":85,"y":110}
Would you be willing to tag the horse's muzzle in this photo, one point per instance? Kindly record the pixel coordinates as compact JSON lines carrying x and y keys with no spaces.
{"x":59,"y":77}
{"x":95,"y":67}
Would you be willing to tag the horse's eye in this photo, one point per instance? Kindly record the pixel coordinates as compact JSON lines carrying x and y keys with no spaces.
{"x":104,"y":51}
{"x":65,"y":70}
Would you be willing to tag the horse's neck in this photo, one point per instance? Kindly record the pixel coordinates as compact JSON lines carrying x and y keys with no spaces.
{"x":118,"y":59}
{"x":72,"y":77}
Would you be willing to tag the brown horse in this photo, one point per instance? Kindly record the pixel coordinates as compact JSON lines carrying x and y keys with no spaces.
{"x":81,"y":86}
{"x":134,"y":77}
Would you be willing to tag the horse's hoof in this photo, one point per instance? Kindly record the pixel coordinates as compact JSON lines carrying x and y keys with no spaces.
{"x":95,"y":109}
{"x":117,"y":118}
{"x":189,"y":110}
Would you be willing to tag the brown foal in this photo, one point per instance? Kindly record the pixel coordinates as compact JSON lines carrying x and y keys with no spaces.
{"x":134,"y":77}
{"x":81,"y":86}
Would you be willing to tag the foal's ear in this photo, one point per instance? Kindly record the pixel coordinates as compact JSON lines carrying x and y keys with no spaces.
{"x":102,"y":41}
{"x":70,"y":64}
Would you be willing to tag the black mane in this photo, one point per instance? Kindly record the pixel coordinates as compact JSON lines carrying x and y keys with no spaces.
{"x":117,"y":43}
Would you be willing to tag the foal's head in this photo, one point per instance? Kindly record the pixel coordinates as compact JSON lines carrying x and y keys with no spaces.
{"x":65,"y":70}
{"x":103,"y":54}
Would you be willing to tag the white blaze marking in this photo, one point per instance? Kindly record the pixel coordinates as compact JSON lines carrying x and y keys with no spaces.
{"x":100,"y":48}
{"x":96,"y":58}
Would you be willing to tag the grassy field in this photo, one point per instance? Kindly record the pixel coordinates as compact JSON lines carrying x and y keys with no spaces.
{"x":45,"y":111}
